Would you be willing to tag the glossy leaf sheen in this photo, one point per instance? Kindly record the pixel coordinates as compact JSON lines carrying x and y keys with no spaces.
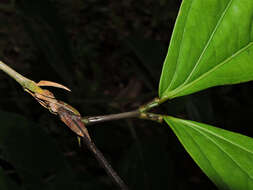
{"x":224,"y":156}
{"x":211,"y":45}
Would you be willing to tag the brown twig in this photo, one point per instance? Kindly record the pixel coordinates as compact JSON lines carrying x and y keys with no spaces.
{"x":63,"y":113}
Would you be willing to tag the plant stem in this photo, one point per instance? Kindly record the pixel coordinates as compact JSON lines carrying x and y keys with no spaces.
{"x":140,"y":113}
{"x":155,"y":102}
{"x":13,"y":74}
{"x":152,"y":116}
{"x":26,"y":83}
{"x":102,"y":160}
{"x":89,"y":120}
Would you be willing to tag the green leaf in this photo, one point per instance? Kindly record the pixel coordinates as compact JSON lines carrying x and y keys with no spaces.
{"x":211,"y":45}
{"x":224,"y":156}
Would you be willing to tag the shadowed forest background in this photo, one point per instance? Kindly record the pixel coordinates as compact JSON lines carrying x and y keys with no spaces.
{"x":110,"y":54}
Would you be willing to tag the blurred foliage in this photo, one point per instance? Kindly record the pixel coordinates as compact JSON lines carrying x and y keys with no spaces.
{"x":110,"y":53}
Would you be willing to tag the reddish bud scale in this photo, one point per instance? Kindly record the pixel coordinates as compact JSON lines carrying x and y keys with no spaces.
{"x":72,"y":121}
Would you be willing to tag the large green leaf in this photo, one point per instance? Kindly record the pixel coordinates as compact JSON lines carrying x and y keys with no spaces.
{"x":224,"y":156}
{"x":211,"y":45}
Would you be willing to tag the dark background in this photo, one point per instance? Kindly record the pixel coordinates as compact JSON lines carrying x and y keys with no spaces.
{"x":110,"y":53}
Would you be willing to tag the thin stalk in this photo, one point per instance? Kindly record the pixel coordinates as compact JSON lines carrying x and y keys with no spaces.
{"x":152,"y":116}
{"x":12,"y":73}
{"x":89,"y":120}
{"x":102,"y":160}
{"x":23,"y":81}
{"x":155,"y":102}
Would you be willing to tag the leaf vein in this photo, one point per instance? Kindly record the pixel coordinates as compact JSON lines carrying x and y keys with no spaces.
{"x":204,"y":155}
{"x":209,"y":41}
{"x":177,"y":63}
{"x":177,"y":90}
{"x":196,"y":127}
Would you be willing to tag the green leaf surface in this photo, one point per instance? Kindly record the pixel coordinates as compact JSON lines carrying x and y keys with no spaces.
{"x":211,"y":45}
{"x":224,"y":156}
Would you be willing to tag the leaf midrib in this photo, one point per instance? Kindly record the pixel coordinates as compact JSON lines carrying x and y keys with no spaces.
{"x":204,"y":155}
{"x":192,"y":125}
{"x":196,"y":127}
{"x":204,"y":49}
{"x":174,"y":92}
{"x":209,"y":41}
